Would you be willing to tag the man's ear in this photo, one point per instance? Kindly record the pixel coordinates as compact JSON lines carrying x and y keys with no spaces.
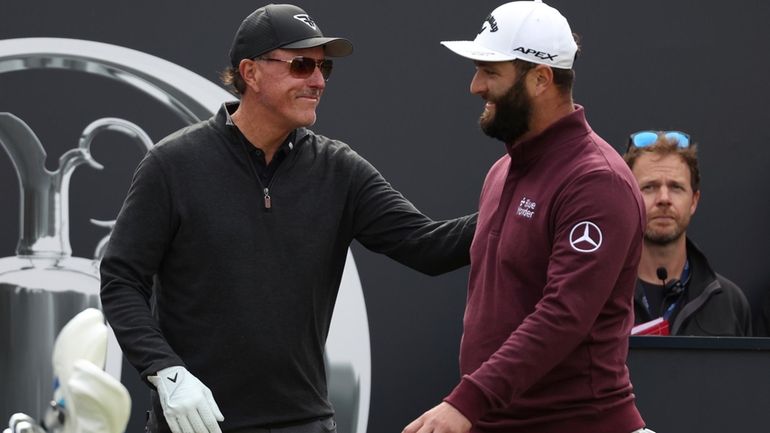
{"x":542,"y":78}
{"x":695,"y":200}
{"x":250,"y":73}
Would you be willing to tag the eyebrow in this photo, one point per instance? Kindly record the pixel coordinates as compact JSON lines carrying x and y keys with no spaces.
{"x":648,"y":182}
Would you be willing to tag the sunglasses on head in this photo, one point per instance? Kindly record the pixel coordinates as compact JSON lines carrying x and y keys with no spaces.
{"x":648,"y":138}
{"x":303,"y":67}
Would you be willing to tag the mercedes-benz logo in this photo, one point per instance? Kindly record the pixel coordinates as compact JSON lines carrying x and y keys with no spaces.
{"x":585,"y":237}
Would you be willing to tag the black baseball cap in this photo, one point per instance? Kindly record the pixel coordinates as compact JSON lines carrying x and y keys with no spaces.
{"x":282,"y":26}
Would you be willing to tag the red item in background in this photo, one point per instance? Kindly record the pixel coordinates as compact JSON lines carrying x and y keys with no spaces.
{"x":657,"y":326}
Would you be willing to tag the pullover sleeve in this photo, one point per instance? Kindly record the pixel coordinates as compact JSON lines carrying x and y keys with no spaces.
{"x":582,"y":300}
{"x":138,"y":242}
{"x":386,"y":222}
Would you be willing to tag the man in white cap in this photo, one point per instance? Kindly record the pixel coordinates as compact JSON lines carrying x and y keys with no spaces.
{"x":236,"y":230}
{"x":554,"y":257}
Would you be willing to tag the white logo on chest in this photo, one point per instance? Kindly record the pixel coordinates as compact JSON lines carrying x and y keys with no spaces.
{"x":526,"y":208}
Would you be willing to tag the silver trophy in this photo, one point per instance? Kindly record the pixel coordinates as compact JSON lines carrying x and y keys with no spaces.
{"x":44,"y":286}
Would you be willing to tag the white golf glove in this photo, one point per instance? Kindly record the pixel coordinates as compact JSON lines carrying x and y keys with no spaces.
{"x":188,"y":405}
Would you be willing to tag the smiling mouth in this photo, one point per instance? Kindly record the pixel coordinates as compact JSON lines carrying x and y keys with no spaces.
{"x":310,"y":98}
{"x":310,"y":95}
{"x":489,"y":109}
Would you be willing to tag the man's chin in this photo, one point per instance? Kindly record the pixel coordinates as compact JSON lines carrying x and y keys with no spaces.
{"x":662,"y":239}
{"x":308,"y":119}
{"x":486,"y":120}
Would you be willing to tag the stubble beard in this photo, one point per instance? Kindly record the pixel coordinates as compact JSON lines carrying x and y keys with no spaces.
{"x":661,"y":238}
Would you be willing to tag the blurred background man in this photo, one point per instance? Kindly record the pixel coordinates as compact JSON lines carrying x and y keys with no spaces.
{"x":676,"y":281}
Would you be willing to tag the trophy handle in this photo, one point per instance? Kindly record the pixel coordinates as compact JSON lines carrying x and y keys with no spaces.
{"x":113,"y":124}
{"x":101,"y":246}
{"x":87,"y":137}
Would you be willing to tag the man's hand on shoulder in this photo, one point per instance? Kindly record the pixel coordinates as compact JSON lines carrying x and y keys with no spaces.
{"x":443,"y":418}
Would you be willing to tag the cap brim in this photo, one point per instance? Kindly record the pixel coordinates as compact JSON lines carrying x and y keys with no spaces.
{"x":333,"y":47}
{"x":474,"y":51}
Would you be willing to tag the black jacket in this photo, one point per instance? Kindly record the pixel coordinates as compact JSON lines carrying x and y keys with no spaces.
{"x":245,"y":294}
{"x":711,"y":305}
{"x":762,"y":328}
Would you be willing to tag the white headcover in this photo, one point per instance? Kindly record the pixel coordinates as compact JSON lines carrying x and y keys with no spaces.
{"x":95,"y":402}
{"x":83,"y":337}
{"x":99,"y":403}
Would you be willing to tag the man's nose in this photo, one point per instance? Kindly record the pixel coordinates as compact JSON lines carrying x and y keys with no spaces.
{"x":664,"y":198}
{"x":316,"y":79}
{"x":477,"y":85}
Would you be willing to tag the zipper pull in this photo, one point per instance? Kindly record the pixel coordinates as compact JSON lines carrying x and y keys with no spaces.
{"x":268,"y":201}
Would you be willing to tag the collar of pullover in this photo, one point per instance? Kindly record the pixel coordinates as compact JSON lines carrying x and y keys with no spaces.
{"x":560,"y":133}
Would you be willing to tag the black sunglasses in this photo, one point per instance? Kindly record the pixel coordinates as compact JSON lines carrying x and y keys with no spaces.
{"x":648,"y":138}
{"x":303,"y":67}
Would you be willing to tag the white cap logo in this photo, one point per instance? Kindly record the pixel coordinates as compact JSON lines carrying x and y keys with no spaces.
{"x":585,"y":237}
{"x":305,"y":18}
{"x":489,"y":24}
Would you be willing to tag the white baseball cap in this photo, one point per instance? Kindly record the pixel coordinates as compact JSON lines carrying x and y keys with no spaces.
{"x":526,"y":30}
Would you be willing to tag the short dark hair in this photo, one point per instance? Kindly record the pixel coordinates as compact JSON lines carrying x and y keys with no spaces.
{"x":231,"y":77}
{"x":562,"y":78}
{"x":668,"y":146}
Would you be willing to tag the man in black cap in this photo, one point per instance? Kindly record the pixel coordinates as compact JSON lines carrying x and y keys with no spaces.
{"x":238,"y":227}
